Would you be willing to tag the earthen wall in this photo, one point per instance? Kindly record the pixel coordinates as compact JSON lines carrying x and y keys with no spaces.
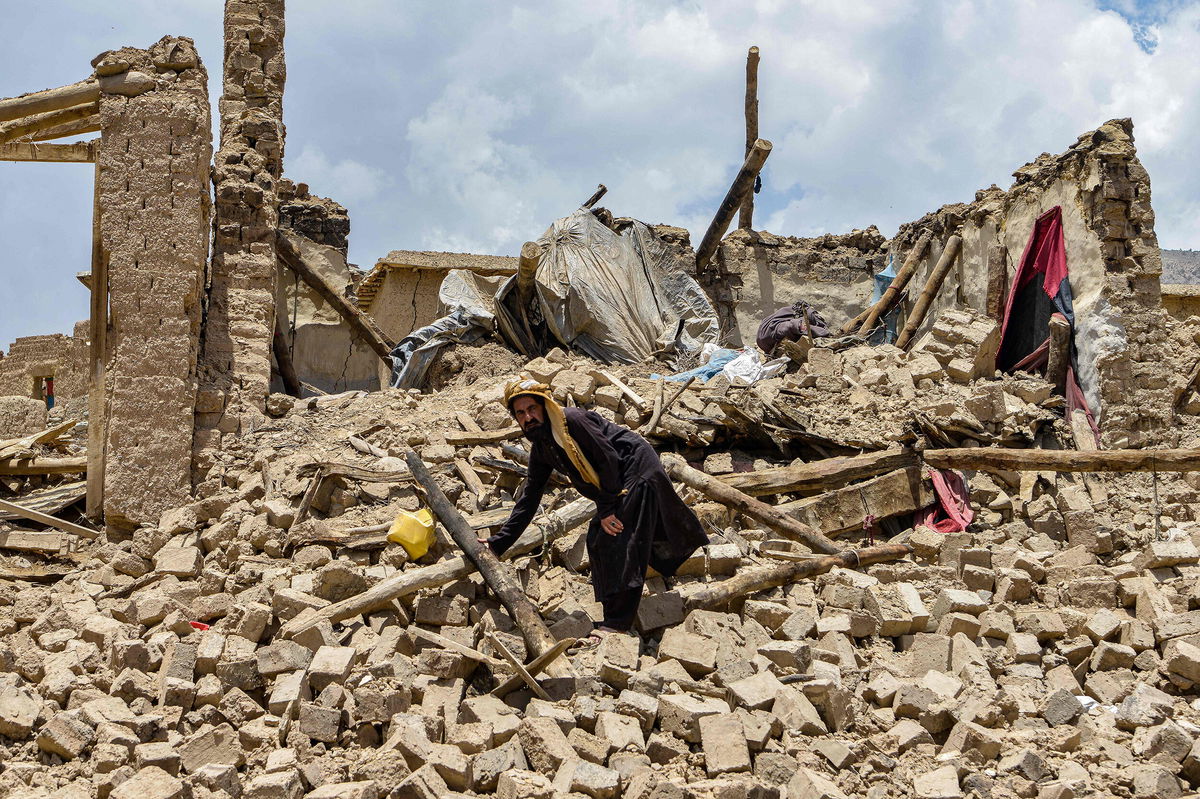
{"x":153,"y":186}
{"x":32,"y":358}
{"x":1113,"y":262}
{"x":235,"y":367}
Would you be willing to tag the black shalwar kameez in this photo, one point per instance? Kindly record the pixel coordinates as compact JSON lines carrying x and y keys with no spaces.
{"x":659,"y":529}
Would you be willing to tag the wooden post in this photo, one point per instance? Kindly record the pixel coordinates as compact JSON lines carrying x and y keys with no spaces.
{"x":746,"y":218}
{"x":363,"y":325}
{"x":760,"y":578}
{"x":932,"y":286}
{"x":550,"y":528}
{"x":283,"y":359}
{"x":40,"y":122}
{"x":86,"y":91}
{"x":1060,"y":353}
{"x":892,"y":295}
{"x":742,"y":184}
{"x":527,"y":270}
{"x":601,"y":190}
{"x":98,"y":358}
{"x":1064,"y":460}
{"x":533,"y":629}
{"x":997,"y":280}
{"x":743,"y":503}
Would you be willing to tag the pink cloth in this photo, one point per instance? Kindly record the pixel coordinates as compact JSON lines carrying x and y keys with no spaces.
{"x":951,"y":513}
{"x":1045,"y":254}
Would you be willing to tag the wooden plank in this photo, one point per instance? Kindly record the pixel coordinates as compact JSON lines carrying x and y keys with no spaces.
{"x":454,"y":646}
{"x":535,"y":667}
{"x":844,"y":509}
{"x":49,"y":521}
{"x":629,"y":393}
{"x":98,"y":359}
{"x":23,"y":447}
{"x":76,"y":127}
{"x":362,"y":324}
{"x":519,"y":667}
{"x":35,"y":466}
{"x":1064,"y":460}
{"x":30,"y":541}
{"x":76,"y":153}
{"x":821,"y":475}
{"x":85,"y":91}
{"x":50,"y":500}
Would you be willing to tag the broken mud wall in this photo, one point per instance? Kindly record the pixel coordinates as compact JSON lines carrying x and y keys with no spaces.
{"x":31,"y":359}
{"x":1180,"y":300}
{"x":1113,"y":261}
{"x":755,"y":273}
{"x":318,"y":219}
{"x":240,"y":312}
{"x":326,"y":354}
{"x":153,"y":195}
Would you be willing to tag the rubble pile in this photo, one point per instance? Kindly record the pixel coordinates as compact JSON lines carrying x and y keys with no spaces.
{"x":1052,"y":650}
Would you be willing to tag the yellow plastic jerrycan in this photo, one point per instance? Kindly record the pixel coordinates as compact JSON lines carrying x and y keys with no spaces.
{"x":413,"y":531}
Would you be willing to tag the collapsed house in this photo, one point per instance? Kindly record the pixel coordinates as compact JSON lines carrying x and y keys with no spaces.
{"x":230,"y":616}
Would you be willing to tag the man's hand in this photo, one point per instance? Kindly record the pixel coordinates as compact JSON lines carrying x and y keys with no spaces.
{"x":611,"y":525}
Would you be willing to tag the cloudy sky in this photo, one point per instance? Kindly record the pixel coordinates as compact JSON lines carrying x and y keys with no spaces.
{"x":471,"y":126}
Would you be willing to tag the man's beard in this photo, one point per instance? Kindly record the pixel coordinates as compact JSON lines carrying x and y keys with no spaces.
{"x":535,"y":429}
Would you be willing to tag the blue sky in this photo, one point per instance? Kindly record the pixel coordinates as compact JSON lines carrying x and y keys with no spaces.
{"x":471,"y":126}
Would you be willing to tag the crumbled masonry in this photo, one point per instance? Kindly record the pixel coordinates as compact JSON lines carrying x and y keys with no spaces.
{"x":198,"y":594}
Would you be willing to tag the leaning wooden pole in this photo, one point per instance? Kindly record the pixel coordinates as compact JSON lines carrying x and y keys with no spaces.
{"x":741,"y":186}
{"x":932,"y":286}
{"x":283,"y":359}
{"x":746,"y":218}
{"x":39,"y":123}
{"x":533,"y":629}
{"x":745,"y":504}
{"x":1064,"y":460}
{"x":358,"y":321}
{"x":601,"y":190}
{"x":1060,"y":352}
{"x":86,"y":91}
{"x":892,"y":295}
{"x":760,"y":578}
{"x":97,"y":357}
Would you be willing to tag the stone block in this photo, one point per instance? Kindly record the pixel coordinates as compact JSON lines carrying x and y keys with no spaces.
{"x":282,"y":656}
{"x":941,"y":783}
{"x":487,"y":767}
{"x":522,"y":784}
{"x":680,"y":714}
{"x":154,"y":783}
{"x":808,"y":784}
{"x":365,"y":789}
{"x":756,"y":692}
{"x":66,"y":735}
{"x":330,"y":664}
{"x":622,"y":731}
{"x":546,"y":746}
{"x":724,"y":745}
{"x":157,"y":753}
{"x":19,"y":711}
{"x":275,"y":785}
{"x":797,"y":713}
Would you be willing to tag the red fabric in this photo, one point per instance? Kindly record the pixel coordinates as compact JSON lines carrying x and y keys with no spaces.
{"x":952,"y":511}
{"x":1038,"y":359}
{"x":1045,"y":254}
{"x":1076,"y":401}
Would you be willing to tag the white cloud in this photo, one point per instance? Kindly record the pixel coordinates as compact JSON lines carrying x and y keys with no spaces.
{"x":472,"y":126}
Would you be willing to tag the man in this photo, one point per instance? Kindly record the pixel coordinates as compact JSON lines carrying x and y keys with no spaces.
{"x":639,"y":520}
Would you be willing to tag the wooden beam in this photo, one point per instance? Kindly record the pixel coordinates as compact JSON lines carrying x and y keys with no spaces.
{"x":746,"y":217}
{"x":50,"y":521}
{"x":760,"y":578}
{"x":510,"y":593}
{"x":760,"y":511}
{"x":601,"y":190}
{"x":77,"y":153}
{"x":98,"y":359}
{"x":741,"y":186}
{"x":1064,"y":460}
{"x":86,"y":91}
{"x":76,"y":128}
{"x":892,"y":294}
{"x":41,"y":466}
{"x":917,"y":315}
{"x":549,"y":528}
{"x":845,"y":509}
{"x":362,"y":324}
{"x":30,"y":126}
{"x":997,"y":280}
{"x":1060,"y":352}
{"x":818,"y":476}
{"x":468,"y":438}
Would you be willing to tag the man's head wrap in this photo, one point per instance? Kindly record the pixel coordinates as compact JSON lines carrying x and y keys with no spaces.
{"x":525,"y":386}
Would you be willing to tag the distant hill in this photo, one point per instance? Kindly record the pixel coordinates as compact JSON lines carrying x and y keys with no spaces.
{"x":1181,"y":266}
